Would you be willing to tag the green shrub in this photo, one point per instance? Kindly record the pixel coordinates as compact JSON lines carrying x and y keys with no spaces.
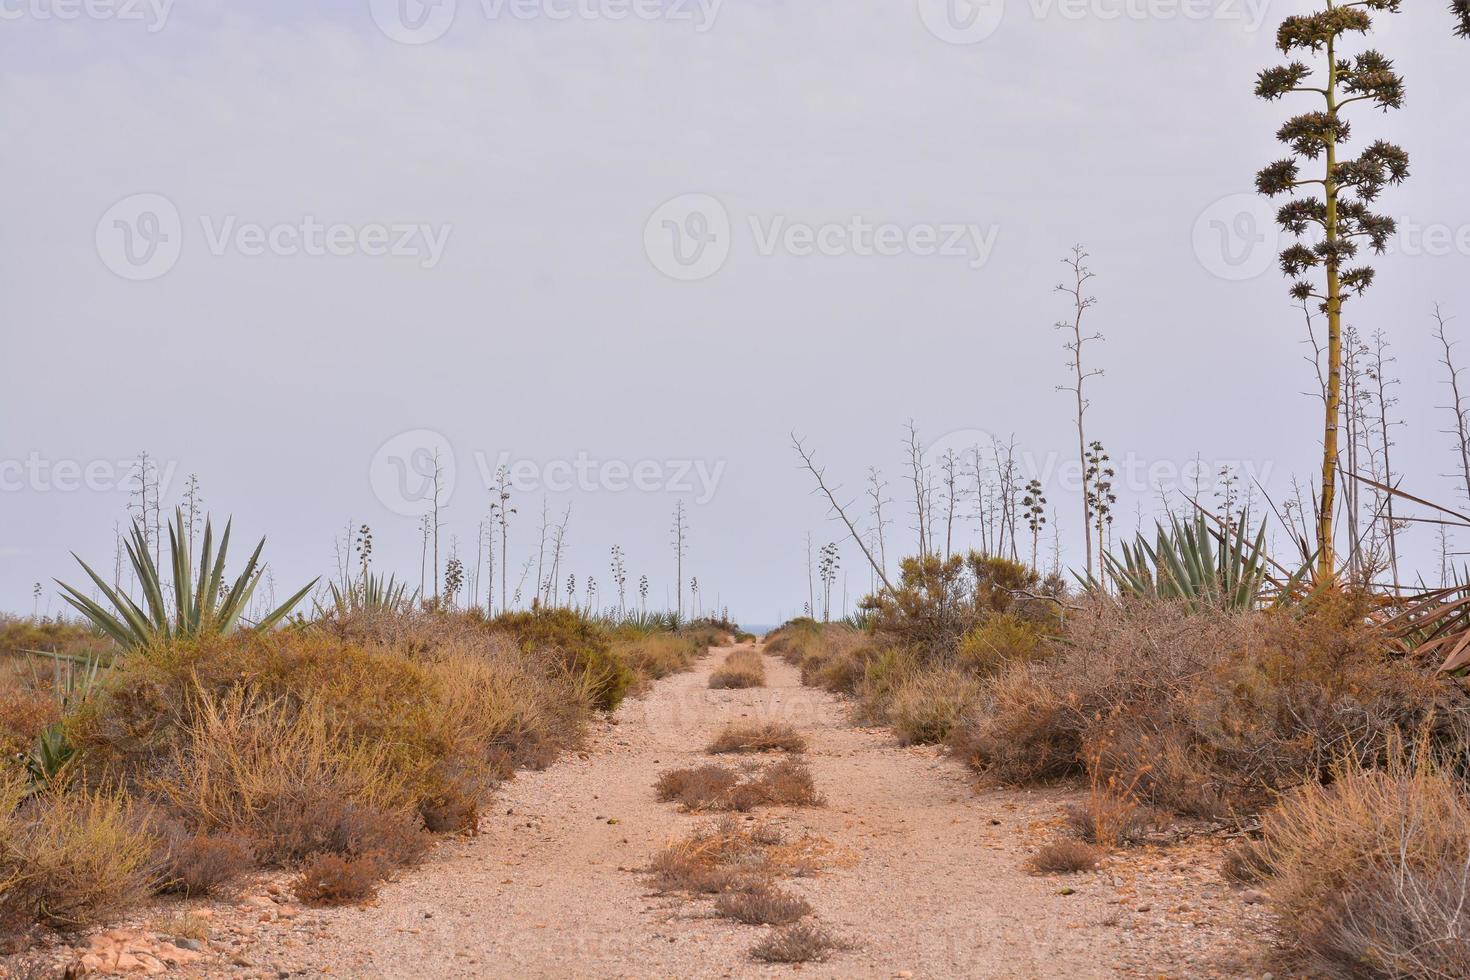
{"x":999,"y":639}
{"x":584,"y":646}
{"x":926,"y":705}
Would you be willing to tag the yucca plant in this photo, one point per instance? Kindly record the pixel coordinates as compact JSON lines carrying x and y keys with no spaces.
{"x":1207,"y":567}
{"x":203,"y":607}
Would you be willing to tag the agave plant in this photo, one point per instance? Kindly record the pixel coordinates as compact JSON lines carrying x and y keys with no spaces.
{"x":202,"y":607}
{"x":73,"y":679}
{"x":1207,"y":567}
{"x":373,"y":593}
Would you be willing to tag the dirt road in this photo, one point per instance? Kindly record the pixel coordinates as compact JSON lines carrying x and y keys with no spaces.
{"x":933,"y":883}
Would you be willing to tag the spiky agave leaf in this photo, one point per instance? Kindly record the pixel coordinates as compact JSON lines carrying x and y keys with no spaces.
{"x":198,"y":607}
{"x":1198,"y":564}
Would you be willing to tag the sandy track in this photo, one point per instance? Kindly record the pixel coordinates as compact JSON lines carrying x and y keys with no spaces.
{"x":934,"y":886}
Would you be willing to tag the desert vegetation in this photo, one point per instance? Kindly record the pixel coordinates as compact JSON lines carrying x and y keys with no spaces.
{"x":1210,"y":689}
{"x":742,"y":667}
{"x":168,"y":747}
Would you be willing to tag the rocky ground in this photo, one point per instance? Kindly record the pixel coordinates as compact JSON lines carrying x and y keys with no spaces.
{"x":924,"y":876}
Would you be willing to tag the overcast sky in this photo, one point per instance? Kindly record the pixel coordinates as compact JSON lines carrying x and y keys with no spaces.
{"x":625,"y":248}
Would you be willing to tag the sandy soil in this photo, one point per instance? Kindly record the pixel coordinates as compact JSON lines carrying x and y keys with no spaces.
{"x":931,"y":882}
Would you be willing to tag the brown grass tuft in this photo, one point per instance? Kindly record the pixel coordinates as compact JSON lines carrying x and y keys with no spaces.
{"x":927,"y":705}
{"x":762,"y":905}
{"x":1064,"y":857}
{"x":803,"y":942}
{"x":1370,"y":874}
{"x":334,"y":879}
{"x":199,"y":864}
{"x":744,"y":667}
{"x":787,"y":782}
{"x":767,"y":736}
{"x":704,"y":787}
{"x":732,"y":854}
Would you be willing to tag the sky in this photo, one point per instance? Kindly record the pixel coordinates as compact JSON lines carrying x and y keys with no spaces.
{"x":626,"y":248}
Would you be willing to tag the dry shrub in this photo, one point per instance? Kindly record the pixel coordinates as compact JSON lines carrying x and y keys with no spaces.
{"x":74,"y":638}
{"x":1112,"y":819}
{"x":697,"y":788}
{"x":333,"y":879}
{"x":766,"y":736}
{"x":25,"y":712}
{"x":1064,"y":857}
{"x":1211,"y":713}
{"x":762,"y":905}
{"x":656,"y":655}
{"x":1022,"y":731}
{"x":1370,"y":874}
{"x":796,"y":640}
{"x":787,"y":782}
{"x":69,"y":859}
{"x":802,"y":942}
{"x":1112,"y":815}
{"x":742,"y":668}
{"x":198,"y":864}
{"x":927,"y":705}
{"x":831,"y":656}
{"x":245,"y":762}
{"x":724,"y":855}
{"x":732,"y":854}
{"x":841,"y":665}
